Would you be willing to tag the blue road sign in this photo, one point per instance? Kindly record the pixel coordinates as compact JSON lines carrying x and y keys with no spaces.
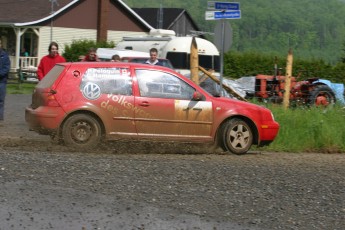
{"x":231,"y":14}
{"x":212,"y":5}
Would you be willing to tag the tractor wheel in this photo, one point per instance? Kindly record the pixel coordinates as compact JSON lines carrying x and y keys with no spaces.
{"x":236,"y":136}
{"x":321,"y":95}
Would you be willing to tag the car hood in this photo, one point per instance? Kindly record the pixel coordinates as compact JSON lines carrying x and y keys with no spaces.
{"x":241,"y":107}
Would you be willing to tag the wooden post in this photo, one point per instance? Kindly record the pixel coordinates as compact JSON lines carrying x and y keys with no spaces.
{"x":194,"y":62}
{"x":286,"y":98}
{"x":102,"y":22}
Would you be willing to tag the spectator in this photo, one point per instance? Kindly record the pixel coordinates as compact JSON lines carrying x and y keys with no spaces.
{"x":115,"y":58}
{"x":91,"y":56}
{"x":24,"y":53}
{"x":49,"y":61}
{"x":23,"y":62}
{"x":153,"y":57}
{"x":5,"y":66}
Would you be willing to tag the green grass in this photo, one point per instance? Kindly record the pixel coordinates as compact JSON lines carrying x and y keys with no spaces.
{"x":24,"y":88}
{"x":309,"y":129}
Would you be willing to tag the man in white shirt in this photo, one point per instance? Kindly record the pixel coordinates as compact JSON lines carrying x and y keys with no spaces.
{"x":153,"y":57}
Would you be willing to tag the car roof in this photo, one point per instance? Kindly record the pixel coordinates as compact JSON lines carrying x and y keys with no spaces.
{"x":115,"y":64}
{"x":123,"y":65}
{"x":142,"y":58}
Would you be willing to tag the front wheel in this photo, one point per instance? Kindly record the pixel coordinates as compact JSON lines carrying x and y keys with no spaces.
{"x":81,"y":131}
{"x":236,"y":136}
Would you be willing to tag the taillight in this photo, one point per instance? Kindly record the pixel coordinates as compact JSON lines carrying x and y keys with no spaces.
{"x":51,"y":101}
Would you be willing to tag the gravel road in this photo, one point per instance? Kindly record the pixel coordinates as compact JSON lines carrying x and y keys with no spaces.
{"x":164,"y":186}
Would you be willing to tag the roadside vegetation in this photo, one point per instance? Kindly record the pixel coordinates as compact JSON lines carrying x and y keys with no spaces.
{"x":309,"y":129}
{"x":238,"y":64}
{"x":23,"y":88}
{"x":81,"y":47}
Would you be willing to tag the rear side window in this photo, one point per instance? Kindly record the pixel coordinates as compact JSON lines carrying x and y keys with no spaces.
{"x":51,"y":77}
{"x":115,"y":81}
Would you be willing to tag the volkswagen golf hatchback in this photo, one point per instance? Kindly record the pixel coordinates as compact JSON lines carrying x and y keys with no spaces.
{"x":86,"y":103}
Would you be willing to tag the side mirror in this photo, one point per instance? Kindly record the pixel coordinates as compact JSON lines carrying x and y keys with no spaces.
{"x":197,"y":96}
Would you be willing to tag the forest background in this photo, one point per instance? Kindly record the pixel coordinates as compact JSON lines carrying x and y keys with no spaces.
{"x":313,"y":29}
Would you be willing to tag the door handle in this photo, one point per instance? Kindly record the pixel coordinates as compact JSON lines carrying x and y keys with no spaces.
{"x":144,"y":104}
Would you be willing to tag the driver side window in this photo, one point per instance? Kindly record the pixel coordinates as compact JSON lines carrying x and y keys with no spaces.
{"x":158,"y":84}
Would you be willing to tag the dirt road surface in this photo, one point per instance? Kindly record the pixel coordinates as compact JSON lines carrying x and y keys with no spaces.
{"x":158,"y":186}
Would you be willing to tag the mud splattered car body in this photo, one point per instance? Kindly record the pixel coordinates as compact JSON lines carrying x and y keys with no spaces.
{"x":85,"y":103}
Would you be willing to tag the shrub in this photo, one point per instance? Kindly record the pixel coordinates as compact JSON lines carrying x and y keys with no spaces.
{"x":81,"y":47}
{"x":238,"y":64}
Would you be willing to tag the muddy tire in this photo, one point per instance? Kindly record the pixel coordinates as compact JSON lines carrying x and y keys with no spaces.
{"x":81,"y":131}
{"x":236,"y":136}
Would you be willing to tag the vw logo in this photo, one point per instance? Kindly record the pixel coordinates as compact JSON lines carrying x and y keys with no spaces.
{"x":91,"y":91}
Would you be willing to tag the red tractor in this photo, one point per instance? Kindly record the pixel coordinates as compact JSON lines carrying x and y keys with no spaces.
{"x":307,"y":92}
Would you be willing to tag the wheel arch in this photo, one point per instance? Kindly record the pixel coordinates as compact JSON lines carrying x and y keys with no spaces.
{"x":246,"y":119}
{"x":88,"y":112}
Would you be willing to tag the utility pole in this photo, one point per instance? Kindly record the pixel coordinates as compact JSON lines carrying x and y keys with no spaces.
{"x":51,"y":20}
{"x":102,"y":21}
{"x":160,"y":17}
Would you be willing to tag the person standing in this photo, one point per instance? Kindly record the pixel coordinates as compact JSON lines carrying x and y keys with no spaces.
{"x":5,"y":66}
{"x":24,"y":53}
{"x":49,"y":61}
{"x":91,"y":56}
{"x":115,"y":58}
{"x":153,"y":57}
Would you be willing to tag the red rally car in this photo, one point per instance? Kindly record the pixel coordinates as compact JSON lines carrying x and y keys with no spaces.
{"x":86,"y":103}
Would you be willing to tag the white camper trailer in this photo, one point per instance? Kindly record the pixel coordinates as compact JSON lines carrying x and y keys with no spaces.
{"x":105,"y":54}
{"x":176,"y":49}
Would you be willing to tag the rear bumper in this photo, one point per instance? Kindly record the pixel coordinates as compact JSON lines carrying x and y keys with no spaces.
{"x":44,"y":120}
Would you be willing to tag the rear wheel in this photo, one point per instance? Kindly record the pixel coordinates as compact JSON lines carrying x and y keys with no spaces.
{"x":236,"y":136}
{"x":322,"y":95}
{"x":81,"y":131}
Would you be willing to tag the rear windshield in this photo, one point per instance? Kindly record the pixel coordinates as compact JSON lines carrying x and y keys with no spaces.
{"x":51,"y":77}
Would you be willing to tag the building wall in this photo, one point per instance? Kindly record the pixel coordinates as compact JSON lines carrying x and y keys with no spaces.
{"x":116,"y":36}
{"x":65,"y":36}
{"x":183,"y":26}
